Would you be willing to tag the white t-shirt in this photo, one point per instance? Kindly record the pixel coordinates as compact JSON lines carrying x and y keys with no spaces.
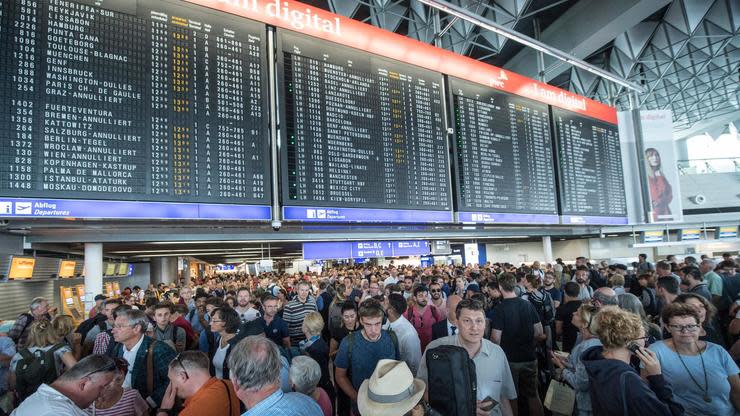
{"x":130,"y":357}
{"x":390,"y":280}
{"x":48,"y":402}
{"x":249,"y":315}
{"x":218,"y":361}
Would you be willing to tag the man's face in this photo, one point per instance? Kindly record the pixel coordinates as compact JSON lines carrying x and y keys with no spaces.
{"x":186,"y":294}
{"x":94,"y":386}
{"x":122,"y":331}
{"x":108,"y":311}
{"x":728,"y":271}
{"x":581,"y":277}
{"x":549,"y":280}
{"x":408,"y":283}
{"x":435,"y":291}
{"x":347,"y":282}
{"x":472,"y":324}
{"x":374,"y":289}
{"x":422,"y":298}
{"x":271,"y":307}
{"x":42,"y":309}
{"x":372,"y":326}
{"x":162,"y":317}
{"x":302,"y":292}
{"x":242,"y":298}
{"x":200,"y":303}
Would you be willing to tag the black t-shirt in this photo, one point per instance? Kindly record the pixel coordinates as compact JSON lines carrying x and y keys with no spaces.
{"x":340,"y":332}
{"x":570,"y":332}
{"x":515,"y":318}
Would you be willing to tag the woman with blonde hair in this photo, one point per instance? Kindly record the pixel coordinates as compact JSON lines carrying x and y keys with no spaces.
{"x":64,"y":326}
{"x":572,"y":370}
{"x":43,"y":342}
{"x":315,"y":347}
{"x":616,"y":387}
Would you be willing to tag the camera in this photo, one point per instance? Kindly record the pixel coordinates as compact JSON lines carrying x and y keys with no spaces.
{"x":276,"y":225}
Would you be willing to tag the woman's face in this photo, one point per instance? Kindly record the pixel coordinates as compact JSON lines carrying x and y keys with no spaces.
{"x":653,"y":159}
{"x":684,"y":329}
{"x":699,"y":308}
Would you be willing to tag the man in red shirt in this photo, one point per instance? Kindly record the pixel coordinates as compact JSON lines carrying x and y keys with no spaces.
{"x":422,"y":315}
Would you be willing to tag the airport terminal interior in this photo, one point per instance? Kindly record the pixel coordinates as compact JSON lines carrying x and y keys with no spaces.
{"x":546,"y":190}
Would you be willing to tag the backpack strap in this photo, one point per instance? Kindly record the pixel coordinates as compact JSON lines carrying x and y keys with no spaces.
{"x":26,"y":354}
{"x":394,"y":340}
{"x":228,"y":394}
{"x":150,"y":368}
{"x":350,"y":344}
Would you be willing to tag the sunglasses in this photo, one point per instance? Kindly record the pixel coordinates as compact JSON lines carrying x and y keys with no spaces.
{"x":108,"y":368}
{"x":178,"y":360}
{"x":435,"y":290}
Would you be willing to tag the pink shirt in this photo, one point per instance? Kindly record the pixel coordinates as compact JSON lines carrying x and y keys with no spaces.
{"x":324,"y":402}
{"x":423,"y":322}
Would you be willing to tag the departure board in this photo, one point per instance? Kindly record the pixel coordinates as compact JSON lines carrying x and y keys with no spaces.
{"x":145,"y":100}
{"x":590,"y":162}
{"x":504,"y":156}
{"x":361,"y":132}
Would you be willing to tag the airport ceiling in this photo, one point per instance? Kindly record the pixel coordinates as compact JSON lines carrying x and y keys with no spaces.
{"x":686,"y":53}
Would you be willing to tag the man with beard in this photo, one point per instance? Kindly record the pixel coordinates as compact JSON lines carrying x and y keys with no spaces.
{"x":245,"y":308}
{"x":439,"y":302}
{"x":581,"y":277}
{"x":422,"y":315}
{"x":408,"y":284}
{"x":691,"y":278}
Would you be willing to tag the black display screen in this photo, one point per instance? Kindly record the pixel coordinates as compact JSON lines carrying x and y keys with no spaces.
{"x":504,"y":153}
{"x":589,"y":155}
{"x":360,"y":130}
{"x":132,"y":100}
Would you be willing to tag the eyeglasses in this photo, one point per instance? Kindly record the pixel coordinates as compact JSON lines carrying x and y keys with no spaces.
{"x":179,"y":361}
{"x":684,"y":328}
{"x":108,"y":368}
{"x":435,"y":290}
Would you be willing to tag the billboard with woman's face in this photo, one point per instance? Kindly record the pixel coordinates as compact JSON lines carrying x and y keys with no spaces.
{"x":661,"y":168}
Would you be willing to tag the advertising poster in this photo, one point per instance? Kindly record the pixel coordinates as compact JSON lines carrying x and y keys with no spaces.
{"x":661,"y":168}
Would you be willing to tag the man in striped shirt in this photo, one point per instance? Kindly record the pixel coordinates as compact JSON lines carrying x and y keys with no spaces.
{"x":296,"y":310}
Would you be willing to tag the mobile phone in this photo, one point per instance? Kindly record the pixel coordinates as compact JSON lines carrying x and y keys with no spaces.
{"x":633,"y":347}
{"x":488,"y":403}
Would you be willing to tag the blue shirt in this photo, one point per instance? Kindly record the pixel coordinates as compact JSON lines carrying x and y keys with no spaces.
{"x":7,"y":347}
{"x":365,"y":355}
{"x":285,"y":404}
{"x":719,"y":366}
{"x":195,"y":321}
{"x":276,"y":331}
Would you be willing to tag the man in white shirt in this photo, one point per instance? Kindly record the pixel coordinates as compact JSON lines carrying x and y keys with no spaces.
{"x":75,"y":390}
{"x":245,"y":307}
{"x":409,"y":346}
{"x":493,"y":374}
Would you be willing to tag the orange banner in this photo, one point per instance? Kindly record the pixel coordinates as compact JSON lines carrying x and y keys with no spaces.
{"x":322,"y":24}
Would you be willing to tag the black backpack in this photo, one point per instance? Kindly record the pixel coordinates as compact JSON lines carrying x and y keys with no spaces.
{"x":543,"y":306}
{"x":33,"y":369}
{"x":452,"y":381}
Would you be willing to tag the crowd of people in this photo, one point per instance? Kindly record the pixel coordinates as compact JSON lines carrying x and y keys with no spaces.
{"x":639,"y":339}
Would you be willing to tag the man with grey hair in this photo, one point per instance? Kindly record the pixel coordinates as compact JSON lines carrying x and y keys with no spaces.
{"x":714,"y":281}
{"x":73,"y":391}
{"x":255,"y":373}
{"x":147,"y":358}
{"x":38,"y":309}
{"x":305,"y":375}
{"x":604,"y":296}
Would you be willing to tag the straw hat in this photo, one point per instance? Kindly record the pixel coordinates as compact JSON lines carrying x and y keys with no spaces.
{"x":391,"y":390}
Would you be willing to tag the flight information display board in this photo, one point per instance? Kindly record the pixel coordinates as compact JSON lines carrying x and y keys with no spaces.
{"x":590,"y":162}
{"x":365,"y":137}
{"x":503,"y":155}
{"x":147,"y":100}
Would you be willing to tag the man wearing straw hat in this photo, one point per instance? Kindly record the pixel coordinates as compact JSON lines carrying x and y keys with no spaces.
{"x":391,"y":391}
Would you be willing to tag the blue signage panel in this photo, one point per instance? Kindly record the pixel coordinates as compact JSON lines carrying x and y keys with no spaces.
{"x":727,"y":232}
{"x":501,"y":218}
{"x":592,"y":220}
{"x":322,"y":214}
{"x":364,"y":249}
{"x":77,"y":208}
{"x":691,"y":234}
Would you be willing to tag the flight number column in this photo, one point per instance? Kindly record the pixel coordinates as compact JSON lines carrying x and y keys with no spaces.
{"x":160,"y":107}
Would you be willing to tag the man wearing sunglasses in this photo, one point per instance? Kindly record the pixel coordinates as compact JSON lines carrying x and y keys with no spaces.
{"x":74,"y":390}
